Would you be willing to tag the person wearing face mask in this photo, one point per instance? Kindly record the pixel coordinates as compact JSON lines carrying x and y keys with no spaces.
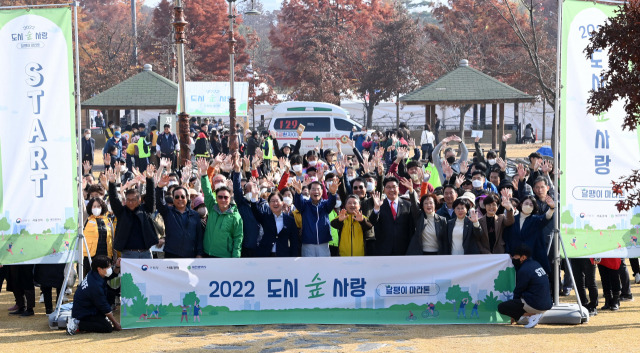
{"x":88,"y":147}
{"x":251,"y":229}
{"x":116,"y":142}
{"x":493,"y":224}
{"x":431,"y":229}
{"x":90,"y":304}
{"x":287,"y":150}
{"x":98,"y":232}
{"x":531,"y":295}
{"x":296,"y":167}
{"x":183,"y":233}
{"x":280,"y":237}
{"x":528,"y":229}
{"x":109,"y":130}
{"x":480,"y":184}
{"x":449,"y":155}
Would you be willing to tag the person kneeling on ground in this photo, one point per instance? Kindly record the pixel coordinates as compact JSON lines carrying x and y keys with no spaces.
{"x":531,"y":295}
{"x":91,"y":311}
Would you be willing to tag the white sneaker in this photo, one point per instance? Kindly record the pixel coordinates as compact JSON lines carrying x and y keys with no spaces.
{"x":523,"y":320}
{"x":72,"y":326}
{"x":41,"y":298}
{"x":637,"y":278}
{"x":533,"y":321}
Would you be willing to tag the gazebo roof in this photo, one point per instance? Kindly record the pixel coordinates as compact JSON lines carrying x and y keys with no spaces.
{"x":465,"y":85}
{"x":146,"y":90}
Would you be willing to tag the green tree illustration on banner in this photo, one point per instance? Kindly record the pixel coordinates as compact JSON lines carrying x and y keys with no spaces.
{"x":566,"y":219}
{"x":490,"y":304}
{"x":4,"y":224}
{"x":456,"y":294}
{"x":190,"y":298}
{"x":130,"y":292}
{"x":505,"y":282}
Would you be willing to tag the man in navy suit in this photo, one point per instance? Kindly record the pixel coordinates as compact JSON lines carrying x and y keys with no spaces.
{"x":393,"y":219}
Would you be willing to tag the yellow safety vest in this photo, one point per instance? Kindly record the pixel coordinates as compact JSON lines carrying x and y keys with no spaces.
{"x":268,"y":154}
{"x":141,"y":152}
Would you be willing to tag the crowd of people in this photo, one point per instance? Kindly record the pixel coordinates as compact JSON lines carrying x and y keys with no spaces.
{"x":378,"y":194}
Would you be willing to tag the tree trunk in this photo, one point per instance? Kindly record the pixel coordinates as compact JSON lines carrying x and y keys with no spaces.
{"x":369,"y":107}
{"x":463,"y":111}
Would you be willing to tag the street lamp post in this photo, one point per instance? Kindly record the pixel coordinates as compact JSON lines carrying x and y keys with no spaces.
{"x":183,"y":118}
{"x":253,"y":100}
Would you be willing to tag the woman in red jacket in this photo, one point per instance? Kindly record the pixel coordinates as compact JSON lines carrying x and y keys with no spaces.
{"x":611,"y":285}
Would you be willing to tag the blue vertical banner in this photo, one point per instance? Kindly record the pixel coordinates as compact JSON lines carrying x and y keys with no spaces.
{"x":38,"y":190}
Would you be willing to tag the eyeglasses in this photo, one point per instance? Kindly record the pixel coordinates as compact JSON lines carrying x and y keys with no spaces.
{"x":358,"y":187}
{"x":177,"y":197}
{"x":221,"y":197}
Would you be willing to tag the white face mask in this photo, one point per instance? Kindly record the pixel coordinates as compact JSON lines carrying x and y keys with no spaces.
{"x":477,"y":184}
{"x":329,"y":183}
{"x":314,"y":178}
{"x":87,"y":136}
{"x":202,"y":211}
{"x":415,"y":177}
{"x":297,"y":168}
{"x":263,"y":190}
{"x":248,"y":196}
{"x":109,"y":272}
{"x":527,"y":209}
{"x":123,"y":169}
{"x":173,"y":182}
{"x":338,"y":203}
{"x":86,"y":202}
{"x":491,"y":161}
{"x":313,"y":163}
{"x":96,"y":211}
{"x":350,"y":178}
{"x":306,"y":197}
{"x":219,"y":185}
{"x":370,"y":187}
{"x":287,"y":200}
{"x":276,"y":177}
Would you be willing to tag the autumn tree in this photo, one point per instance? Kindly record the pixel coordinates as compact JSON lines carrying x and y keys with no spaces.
{"x":206,"y":51}
{"x":387,"y":64}
{"x":620,"y":36}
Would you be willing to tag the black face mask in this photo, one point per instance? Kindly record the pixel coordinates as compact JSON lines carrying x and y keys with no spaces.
{"x":451,"y":160}
{"x":516,"y":263}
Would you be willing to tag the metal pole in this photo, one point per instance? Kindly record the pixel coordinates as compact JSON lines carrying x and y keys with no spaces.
{"x":78,"y":132}
{"x":233,"y":139}
{"x":34,"y":6}
{"x":556,"y":123}
{"x":183,"y":118}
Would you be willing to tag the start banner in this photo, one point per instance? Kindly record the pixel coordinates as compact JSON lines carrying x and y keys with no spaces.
{"x":38,"y":191}
{"x":594,"y":150}
{"x":337,"y":290}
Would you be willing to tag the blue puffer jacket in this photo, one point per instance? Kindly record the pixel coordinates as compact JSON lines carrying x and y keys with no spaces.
{"x":315,"y":219}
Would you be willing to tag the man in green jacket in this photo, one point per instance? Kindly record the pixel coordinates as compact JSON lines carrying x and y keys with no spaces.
{"x":223,"y":234}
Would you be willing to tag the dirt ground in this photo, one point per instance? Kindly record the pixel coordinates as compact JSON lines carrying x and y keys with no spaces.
{"x":606,"y":332}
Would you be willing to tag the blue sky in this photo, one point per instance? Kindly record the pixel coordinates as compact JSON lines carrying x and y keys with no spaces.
{"x":269,"y":5}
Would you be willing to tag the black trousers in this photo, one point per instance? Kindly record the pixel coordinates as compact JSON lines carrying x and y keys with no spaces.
{"x":95,"y":323}
{"x":23,"y":289}
{"x":610,"y":281}
{"x":584,"y":272}
{"x":48,"y":297}
{"x":635,"y":265}
{"x":513,"y":308}
{"x":624,"y":279}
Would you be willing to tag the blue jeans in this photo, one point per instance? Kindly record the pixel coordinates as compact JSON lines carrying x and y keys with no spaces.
{"x":133,"y":254}
{"x":316,"y":250}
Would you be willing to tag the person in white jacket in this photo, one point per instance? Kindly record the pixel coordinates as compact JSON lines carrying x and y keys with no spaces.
{"x":427,"y":142}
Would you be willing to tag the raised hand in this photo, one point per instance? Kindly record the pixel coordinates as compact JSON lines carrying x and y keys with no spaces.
{"x":506,"y":137}
{"x":151,"y":171}
{"x":473,"y":215}
{"x":365,"y":155}
{"x":296,"y":185}
{"x":339,"y":169}
{"x":107,"y":159}
{"x":136,"y":171}
{"x":464,"y":167}
{"x":377,"y":200}
{"x":546,"y":167}
{"x":111,"y":175}
{"x":86,"y":167}
{"x":477,"y":139}
{"x":505,"y":201}
{"x":456,"y":138}
{"x":103,"y":181}
{"x":164,"y":181}
{"x":246,"y":165}
{"x":333,"y":188}
{"x":412,"y":142}
{"x":536,"y":165}
{"x":203,"y":166}
{"x":407,"y":183}
{"x":235,"y":161}
{"x":549,"y":201}
{"x":501,"y":163}
{"x":358,"y":216}
{"x":459,"y":180}
{"x":352,"y":143}
{"x":521,"y":172}
{"x":165,"y":163}
{"x":342,"y":215}
{"x":220,"y":158}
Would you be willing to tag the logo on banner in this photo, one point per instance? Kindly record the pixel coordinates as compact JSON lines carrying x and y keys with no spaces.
{"x":144,"y":267}
{"x":196,"y":268}
{"x":407,"y":289}
{"x":29,"y":37}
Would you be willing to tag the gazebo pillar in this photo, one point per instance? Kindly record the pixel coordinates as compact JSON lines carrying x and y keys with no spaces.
{"x":516,"y":120}
{"x":427,"y":115}
{"x":501,"y":121}
{"x":494,"y":126}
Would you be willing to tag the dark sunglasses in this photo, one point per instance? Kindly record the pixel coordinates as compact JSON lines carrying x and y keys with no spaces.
{"x":223,"y":197}
{"x":358,"y":187}
{"x":177,"y":197}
